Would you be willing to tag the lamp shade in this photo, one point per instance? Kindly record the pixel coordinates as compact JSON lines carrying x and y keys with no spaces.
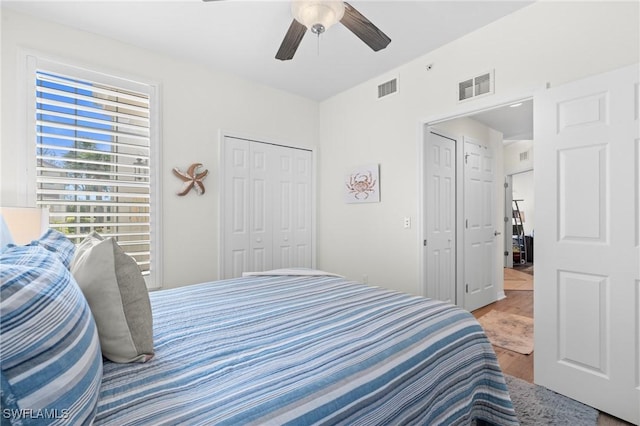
{"x":25,"y":223}
{"x":317,"y":15}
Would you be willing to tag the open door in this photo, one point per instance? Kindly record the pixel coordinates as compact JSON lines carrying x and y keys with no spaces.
{"x":587,"y":281}
{"x":480,"y":232}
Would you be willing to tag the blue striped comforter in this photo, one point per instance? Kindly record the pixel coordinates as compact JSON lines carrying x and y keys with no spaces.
{"x":307,"y":350}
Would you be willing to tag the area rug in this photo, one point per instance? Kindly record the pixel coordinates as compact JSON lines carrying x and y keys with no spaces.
{"x":508,"y":331}
{"x":537,"y":405}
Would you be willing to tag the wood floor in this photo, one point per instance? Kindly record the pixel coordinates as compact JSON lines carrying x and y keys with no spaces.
{"x":520,"y":302}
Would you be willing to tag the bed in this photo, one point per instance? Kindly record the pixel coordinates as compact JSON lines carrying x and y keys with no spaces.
{"x":295,"y":347}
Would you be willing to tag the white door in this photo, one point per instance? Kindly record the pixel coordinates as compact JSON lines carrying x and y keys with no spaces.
{"x":480,"y":231}
{"x":292,"y":207}
{"x":283,"y":188}
{"x":303,"y":208}
{"x":440,"y":243}
{"x":587,"y":282}
{"x":261,"y":205}
{"x":266,"y":208}
{"x":235,"y":208}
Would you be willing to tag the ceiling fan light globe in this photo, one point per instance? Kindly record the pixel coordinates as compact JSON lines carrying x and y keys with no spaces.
{"x":318,"y":13}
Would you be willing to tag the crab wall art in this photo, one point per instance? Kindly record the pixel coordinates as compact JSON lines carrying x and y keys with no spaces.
{"x":363,"y":185}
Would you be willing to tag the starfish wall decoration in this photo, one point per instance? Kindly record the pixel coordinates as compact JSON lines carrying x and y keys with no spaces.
{"x":191,"y":178}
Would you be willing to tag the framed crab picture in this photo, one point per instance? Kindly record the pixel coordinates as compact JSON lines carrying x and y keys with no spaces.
{"x":362,"y":185}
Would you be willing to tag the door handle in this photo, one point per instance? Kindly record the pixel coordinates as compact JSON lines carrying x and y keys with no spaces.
{"x":496,"y":233}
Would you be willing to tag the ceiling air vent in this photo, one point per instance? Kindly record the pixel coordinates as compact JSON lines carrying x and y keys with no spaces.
{"x":476,"y":86}
{"x":387,"y":88}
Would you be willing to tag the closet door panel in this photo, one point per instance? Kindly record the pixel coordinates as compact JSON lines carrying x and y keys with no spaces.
{"x":302,"y":208}
{"x":282,"y":218}
{"x":236,"y":207}
{"x":261,"y":239}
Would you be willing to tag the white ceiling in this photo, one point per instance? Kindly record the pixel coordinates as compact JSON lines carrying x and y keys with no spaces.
{"x":514,"y":121}
{"x":242,"y":37}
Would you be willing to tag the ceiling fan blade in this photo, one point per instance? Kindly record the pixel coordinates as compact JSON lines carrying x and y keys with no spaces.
{"x":210,"y":0}
{"x":291,"y":41}
{"x":364,"y":29}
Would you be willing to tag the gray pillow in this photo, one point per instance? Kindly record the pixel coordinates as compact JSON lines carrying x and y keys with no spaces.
{"x":118,"y":297}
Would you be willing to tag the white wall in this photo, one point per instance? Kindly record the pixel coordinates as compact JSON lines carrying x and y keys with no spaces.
{"x":547,"y":42}
{"x":512,"y":151}
{"x":522,"y":180}
{"x":521,"y":170}
{"x":197,"y":104}
{"x":523,"y":190}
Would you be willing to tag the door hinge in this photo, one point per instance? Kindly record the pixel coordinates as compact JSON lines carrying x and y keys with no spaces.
{"x":506,"y":253}
{"x":466,"y":288}
{"x":506,"y":219}
{"x":506,"y":185}
{"x":424,"y":243}
{"x":466,"y":223}
{"x":466,"y":157}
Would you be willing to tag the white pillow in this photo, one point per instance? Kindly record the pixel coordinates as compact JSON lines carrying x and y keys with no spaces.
{"x":118,"y":297}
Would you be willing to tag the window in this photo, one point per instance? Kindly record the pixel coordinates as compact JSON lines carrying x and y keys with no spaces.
{"x":95,"y":158}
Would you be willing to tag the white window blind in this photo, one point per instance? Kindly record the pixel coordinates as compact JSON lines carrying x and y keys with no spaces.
{"x":93,"y":153}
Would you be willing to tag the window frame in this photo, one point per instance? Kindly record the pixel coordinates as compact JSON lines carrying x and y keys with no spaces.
{"x":32,"y":62}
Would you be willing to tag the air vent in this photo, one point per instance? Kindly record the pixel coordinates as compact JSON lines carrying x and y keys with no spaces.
{"x":476,"y":86}
{"x":386,"y":89}
{"x":524,"y":156}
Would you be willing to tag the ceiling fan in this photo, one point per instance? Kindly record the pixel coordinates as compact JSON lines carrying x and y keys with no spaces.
{"x":318,"y":16}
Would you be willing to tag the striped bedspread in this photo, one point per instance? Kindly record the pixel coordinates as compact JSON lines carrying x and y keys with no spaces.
{"x":307,"y":350}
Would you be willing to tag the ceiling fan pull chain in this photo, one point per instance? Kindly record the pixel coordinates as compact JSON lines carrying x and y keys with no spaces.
{"x":318,"y":47}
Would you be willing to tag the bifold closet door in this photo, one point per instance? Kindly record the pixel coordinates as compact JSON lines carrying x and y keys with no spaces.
{"x":266,"y":208}
{"x":292,"y":208}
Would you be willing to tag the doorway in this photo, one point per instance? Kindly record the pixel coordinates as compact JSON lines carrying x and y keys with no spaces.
{"x":586,"y":285}
{"x":520,"y":229}
{"x":488,"y":128}
{"x":507,"y":120}
{"x":495,"y":125}
{"x":459,"y":215}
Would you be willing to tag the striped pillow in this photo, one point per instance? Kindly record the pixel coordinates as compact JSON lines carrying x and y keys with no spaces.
{"x":51,"y":360}
{"x":58,"y":243}
{"x":55,"y":242}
